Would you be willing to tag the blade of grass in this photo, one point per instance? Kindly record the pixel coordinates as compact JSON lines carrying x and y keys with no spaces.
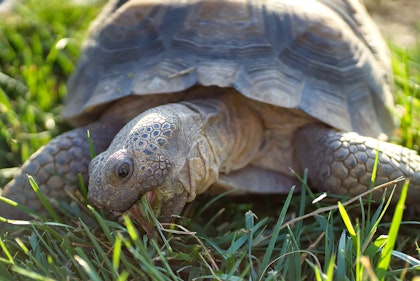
{"x":270,"y":248}
{"x":408,"y":259}
{"x":341,"y":269}
{"x":347,"y":221}
{"x":5,"y":274}
{"x":249,"y":224}
{"x":30,"y":274}
{"x":317,"y":271}
{"x":123,"y":276}
{"x":355,"y":237}
{"x":83,"y":188}
{"x":90,"y":142}
{"x":163,"y":259}
{"x":6,"y":251}
{"x":330,"y":269}
{"x":140,"y":252}
{"x":368,"y":268}
{"x":102,"y":223}
{"x":149,"y":212}
{"x":386,"y":254}
{"x":43,"y":200}
{"x":20,"y":207}
{"x":377,"y":219}
{"x":376,"y":246}
{"x":116,"y":254}
{"x":84,"y":262}
{"x":348,"y":202}
{"x":99,"y":250}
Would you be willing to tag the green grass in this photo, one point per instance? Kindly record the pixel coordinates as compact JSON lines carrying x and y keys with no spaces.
{"x":245,"y":238}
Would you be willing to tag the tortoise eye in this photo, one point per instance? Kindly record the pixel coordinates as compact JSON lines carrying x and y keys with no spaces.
{"x":124,"y":169}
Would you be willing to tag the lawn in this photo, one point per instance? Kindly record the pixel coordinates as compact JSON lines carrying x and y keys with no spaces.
{"x":216,"y":238}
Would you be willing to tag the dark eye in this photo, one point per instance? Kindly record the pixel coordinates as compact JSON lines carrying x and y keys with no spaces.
{"x":124,"y":170}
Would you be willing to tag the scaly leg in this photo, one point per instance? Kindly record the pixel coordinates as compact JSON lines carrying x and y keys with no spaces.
{"x":342,"y":162}
{"x":55,"y":167}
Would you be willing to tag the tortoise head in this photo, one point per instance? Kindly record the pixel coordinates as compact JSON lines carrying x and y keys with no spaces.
{"x":144,"y":159}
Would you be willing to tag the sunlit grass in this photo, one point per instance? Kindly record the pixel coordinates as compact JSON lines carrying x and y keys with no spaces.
{"x":216,"y":238}
{"x":39,"y":44}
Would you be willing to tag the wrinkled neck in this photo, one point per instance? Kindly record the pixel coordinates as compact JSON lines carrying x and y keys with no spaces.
{"x":230,"y":134}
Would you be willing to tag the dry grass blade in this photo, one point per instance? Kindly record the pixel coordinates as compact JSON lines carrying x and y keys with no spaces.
{"x":348,"y":202}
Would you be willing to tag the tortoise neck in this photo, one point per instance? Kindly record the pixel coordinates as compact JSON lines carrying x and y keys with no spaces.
{"x":230,"y":134}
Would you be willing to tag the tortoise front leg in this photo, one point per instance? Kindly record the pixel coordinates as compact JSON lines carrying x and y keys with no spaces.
{"x":55,"y":167}
{"x":342,"y":162}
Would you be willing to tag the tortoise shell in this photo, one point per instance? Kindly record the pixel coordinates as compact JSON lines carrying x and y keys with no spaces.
{"x":325,"y":58}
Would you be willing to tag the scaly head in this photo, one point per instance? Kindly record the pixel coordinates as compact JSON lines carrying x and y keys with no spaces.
{"x":145,"y":158}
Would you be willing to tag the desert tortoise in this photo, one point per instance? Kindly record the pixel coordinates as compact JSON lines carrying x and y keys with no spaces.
{"x":229,"y":93}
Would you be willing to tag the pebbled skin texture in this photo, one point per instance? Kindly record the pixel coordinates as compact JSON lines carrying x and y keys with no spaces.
{"x":55,"y":168}
{"x":139,"y":157}
{"x":155,"y":134}
{"x":342,"y":162}
{"x":175,"y":151}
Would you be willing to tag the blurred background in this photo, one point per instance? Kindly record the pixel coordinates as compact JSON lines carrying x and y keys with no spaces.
{"x":398,"y":20}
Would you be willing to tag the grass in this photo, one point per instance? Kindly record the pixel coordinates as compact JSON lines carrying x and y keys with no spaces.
{"x":245,"y":238}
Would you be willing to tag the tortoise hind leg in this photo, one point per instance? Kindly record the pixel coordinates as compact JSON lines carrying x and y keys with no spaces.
{"x":342,"y":162}
{"x":55,"y":168}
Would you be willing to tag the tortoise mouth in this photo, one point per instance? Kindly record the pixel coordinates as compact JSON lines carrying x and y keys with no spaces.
{"x":141,"y":216}
{"x":150,"y":196}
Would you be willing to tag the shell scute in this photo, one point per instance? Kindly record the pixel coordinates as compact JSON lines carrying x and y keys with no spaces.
{"x":325,"y":58}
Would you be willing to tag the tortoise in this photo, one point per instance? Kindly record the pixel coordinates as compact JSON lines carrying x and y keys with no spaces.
{"x":181,"y":96}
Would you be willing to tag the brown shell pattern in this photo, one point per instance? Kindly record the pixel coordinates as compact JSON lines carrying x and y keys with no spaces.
{"x":325,"y":58}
